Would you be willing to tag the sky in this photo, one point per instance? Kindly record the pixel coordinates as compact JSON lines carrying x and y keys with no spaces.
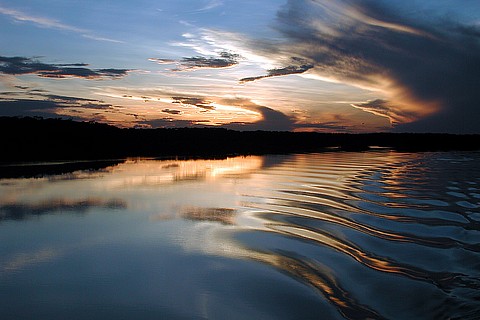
{"x":298,"y":65}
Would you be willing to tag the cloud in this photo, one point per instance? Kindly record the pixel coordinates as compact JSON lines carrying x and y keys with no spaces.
{"x":23,"y":65}
{"x":170,"y":111}
{"x":212,"y":4}
{"x":52,"y":24}
{"x":224,"y":60}
{"x":274,"y":120}
{"x":26,"y":107}
{"x":270,"y":119}
{"x":424,"y":68}
{"x":46,"y":105}
{"x":382,"y":108}
{"x":162,"y":61}
{"x":280,"y":72}
{"x":194,"y":101}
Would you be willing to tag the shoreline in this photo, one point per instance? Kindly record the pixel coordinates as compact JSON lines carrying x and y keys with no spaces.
{"x":37,"y":140}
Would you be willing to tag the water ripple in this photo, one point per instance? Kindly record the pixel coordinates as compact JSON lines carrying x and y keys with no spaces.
{"x":407,"y":216}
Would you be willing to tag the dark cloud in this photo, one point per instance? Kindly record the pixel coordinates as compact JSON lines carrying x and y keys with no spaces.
{"x":425,"y":66}
{"x":281,"y":72}
{"x":170,"y":111}
{"x":194,"y":101}
{"x":25,"y":107}
{"x":271,"y":119}
{"x":469,"y":30}
{"x":68,"y":100}
{"x":224,"y":60}
{"x":22,"y":65}
{"x":47,"y":105}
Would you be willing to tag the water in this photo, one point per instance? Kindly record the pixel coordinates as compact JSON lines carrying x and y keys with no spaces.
{"x":371,"y":235}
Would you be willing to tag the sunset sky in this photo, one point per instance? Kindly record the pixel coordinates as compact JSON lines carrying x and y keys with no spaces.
{"x":324,"y":65}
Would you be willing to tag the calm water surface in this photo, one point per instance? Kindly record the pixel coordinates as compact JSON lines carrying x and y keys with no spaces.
{"x":373,"y":235}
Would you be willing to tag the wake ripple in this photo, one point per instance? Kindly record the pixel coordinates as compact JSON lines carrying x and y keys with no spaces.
{"x":378,"y":234}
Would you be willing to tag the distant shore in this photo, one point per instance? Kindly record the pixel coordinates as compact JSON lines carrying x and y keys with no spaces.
{"x":26,"y":139}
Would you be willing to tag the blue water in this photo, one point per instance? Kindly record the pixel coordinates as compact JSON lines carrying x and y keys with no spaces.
{"x":338,"y":235}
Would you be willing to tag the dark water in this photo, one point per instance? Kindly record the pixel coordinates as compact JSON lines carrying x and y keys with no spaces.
{"x":375,"y":235}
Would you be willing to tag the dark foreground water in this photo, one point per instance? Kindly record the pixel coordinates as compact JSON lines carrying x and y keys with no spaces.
{"x":374,"y":235}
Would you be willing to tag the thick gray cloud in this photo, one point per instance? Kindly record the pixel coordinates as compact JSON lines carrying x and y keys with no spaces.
{"x":22,"y":65}
{"x":427,"y":67}
{"x":224,"y":60}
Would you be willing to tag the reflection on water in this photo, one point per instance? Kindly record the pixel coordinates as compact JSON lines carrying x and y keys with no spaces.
{"x":374,"y":235}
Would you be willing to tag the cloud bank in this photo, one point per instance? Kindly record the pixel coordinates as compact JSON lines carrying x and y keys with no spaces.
{"x":424,"y":68}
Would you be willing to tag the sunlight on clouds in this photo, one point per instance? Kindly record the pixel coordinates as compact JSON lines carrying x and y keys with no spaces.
{"x":150,"y":104}
{"x":300,"y":62}
{"x":212,"y":42}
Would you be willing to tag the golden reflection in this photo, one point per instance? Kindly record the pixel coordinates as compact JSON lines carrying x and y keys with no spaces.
{"x":144,"y":172}
{"x":137,"y":184}
{"x":357,"y":254}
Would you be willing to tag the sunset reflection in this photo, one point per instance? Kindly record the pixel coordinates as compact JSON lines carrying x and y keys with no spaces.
{"x":344,"y":226}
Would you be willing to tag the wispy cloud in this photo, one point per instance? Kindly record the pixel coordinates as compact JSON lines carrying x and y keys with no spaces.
{"x":49,"y":23}
{"x":383,"y":108}
{"x":212,"y":4}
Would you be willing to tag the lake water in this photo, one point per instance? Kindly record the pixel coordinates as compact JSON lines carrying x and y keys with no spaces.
{"x":336,"y":235}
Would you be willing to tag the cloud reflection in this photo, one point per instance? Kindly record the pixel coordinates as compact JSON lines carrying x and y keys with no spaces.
{"x":22,"y":211}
